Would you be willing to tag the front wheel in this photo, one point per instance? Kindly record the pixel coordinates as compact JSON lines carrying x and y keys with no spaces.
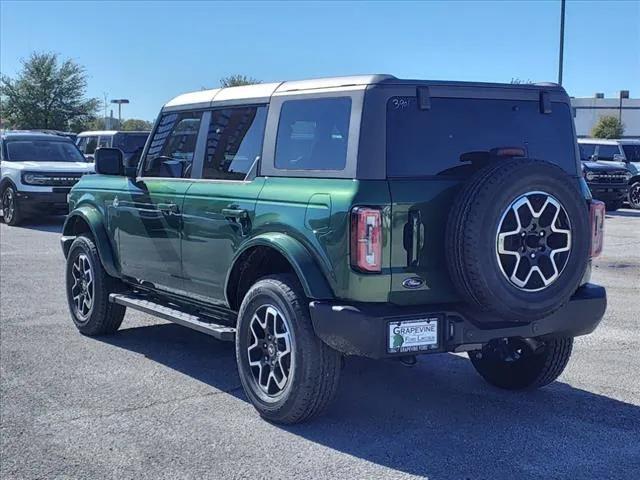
{"x":287,"y":372}
{"x":517,"y":364}
{"x":88,"y":290}
{"x":10,"y":207}
{"x":634,"y":195}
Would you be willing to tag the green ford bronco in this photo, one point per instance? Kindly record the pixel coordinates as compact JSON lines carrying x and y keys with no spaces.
{"x":364,"y":215}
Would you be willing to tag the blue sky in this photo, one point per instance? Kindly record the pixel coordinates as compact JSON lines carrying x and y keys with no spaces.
{"x":151,"y":51}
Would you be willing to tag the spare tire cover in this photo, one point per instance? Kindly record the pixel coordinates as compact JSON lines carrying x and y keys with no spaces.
{"x":518,"y":239}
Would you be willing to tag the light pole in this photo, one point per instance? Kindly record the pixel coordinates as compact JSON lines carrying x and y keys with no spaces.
{"x":623,"y":94}
{"x":560,"y":60}
{"x":120,"y":102}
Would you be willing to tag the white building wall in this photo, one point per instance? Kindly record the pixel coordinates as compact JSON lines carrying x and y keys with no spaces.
{"x":589,"y":110}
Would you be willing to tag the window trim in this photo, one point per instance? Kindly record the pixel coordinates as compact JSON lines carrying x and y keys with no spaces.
{"x":253,"y":172}
{"x":267,"y":166}
{"x":198,"y":153}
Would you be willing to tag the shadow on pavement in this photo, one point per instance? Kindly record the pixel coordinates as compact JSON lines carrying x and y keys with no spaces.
{"x":438,"y":419}
{"x":624,"y":213}
{"x":43,"y":224}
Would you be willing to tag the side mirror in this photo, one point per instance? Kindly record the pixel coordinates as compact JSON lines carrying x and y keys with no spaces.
{"x":593,"y":158}
{"x":617,"y":157}
{"x":109,"y":161}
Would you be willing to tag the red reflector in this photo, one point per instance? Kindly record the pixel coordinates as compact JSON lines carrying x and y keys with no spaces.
{"x":366,"y":242}
{"x":596,"y":214}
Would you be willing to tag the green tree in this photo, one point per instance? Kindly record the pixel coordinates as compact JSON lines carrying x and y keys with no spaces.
{"x":47,"y":93}
{"x":136,"y":124}
{"x":608,"y":127}
{"x":237,"y":80}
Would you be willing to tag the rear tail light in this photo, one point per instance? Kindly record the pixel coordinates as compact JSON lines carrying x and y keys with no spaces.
{"x":596,"y":214}
{"x":366,"y":241}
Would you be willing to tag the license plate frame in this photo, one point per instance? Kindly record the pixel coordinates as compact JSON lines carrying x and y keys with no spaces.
{"x":414,"y":335}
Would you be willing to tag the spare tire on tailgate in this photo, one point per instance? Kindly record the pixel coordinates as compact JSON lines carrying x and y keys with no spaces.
{"x":518,"y":239}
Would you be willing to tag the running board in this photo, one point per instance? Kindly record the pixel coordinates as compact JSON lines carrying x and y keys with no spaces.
{"x":199,"y":323}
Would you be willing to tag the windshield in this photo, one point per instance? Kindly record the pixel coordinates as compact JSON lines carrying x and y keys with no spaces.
{"x":632,"y":152}
{"x":129,"y":143}
{"x":43,"y":151}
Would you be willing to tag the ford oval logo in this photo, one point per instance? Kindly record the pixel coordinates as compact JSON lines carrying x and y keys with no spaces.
{"x":413,"y":282}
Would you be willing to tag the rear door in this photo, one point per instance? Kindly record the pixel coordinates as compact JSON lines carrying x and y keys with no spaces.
{"x":149,"y":213}
{"x":427,"y":165}
{"x":219,"y":207}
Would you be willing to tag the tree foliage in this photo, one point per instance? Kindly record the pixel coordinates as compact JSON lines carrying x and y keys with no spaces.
{"x":608,"y":127}
{"x":47,"y":93}
{"x":237,"y":80}
{"x":131,"y":124}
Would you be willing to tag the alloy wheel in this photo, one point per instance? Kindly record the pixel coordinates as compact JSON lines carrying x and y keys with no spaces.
{"x":82,"y":290}
{"x":634,"y":195}
{"x":533,"y":241}
{"x":270,"y":350}
{"x":8,"y":205}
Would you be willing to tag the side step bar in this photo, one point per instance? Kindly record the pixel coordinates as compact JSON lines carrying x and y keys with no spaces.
{"x":199,"y":323}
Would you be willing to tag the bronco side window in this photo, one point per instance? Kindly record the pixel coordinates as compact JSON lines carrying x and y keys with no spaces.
{"x":313,"y":134}
{"x":173,"y":145}
{"x":234,"y":142}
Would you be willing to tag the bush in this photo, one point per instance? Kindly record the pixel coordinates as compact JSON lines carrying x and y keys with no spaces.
{"x":608,"y":127}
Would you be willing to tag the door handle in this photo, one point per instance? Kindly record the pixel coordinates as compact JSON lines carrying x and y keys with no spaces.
{"x":238,"y":217}
{"x":170,"y":208}
{"x":235,"y":213}
{"x":414,"y":237}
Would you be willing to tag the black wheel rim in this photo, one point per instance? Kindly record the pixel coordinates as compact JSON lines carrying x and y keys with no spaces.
{"x":8,"y":205}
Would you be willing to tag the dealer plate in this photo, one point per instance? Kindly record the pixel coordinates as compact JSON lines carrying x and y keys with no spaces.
{"x":410,"y":336}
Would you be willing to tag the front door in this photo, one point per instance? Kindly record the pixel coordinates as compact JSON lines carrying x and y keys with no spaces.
{"x":149,"y":213}
{"x":219,"y":209}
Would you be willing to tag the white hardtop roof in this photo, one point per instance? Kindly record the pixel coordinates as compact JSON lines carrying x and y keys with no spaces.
{"x":610,"y":141}
{"x":108,"y":132}
{"x":264,"y":91}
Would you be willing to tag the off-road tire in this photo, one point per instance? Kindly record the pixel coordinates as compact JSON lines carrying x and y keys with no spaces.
{"x":471,"y":239}
{"x":8,"y":194}
{"x":529,"y":372}
{"x":316,"y":375}
{"x":103,"y":317}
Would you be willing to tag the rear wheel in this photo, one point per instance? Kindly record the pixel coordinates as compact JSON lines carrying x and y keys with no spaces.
{"x":11,"y":211}
{"x":517,"y":364}
{"x":88,"y":290}
{"x":287,"y":372}
{"x":634,"y":195}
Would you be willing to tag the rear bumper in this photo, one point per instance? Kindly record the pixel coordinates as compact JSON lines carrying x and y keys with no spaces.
{"x":362,"y":329}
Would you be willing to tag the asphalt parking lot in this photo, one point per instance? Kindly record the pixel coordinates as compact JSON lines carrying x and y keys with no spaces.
{"x":159,"y":401}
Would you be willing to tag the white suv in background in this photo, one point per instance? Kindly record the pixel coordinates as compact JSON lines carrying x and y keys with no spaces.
{"x":37,"y":172}
{"x":624,"y":152}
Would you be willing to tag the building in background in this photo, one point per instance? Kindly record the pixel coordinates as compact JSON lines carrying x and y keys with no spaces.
{"x":587,"y":112}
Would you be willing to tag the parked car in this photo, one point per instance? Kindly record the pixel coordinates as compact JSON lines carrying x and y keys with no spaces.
{"x":363,"y":215}
{"x":622,"y":153}
{"x":131,"y":143}
{"x":38,"y":171}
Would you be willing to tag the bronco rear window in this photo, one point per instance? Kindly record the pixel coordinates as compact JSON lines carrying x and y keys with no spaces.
{"x":433,"y":141}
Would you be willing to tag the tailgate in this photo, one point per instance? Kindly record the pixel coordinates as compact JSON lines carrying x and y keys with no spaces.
{"x":418,"y":265}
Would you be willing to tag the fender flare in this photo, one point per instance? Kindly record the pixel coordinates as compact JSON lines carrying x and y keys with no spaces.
{"x":310,"y":275}
{"x":93,"y":218}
